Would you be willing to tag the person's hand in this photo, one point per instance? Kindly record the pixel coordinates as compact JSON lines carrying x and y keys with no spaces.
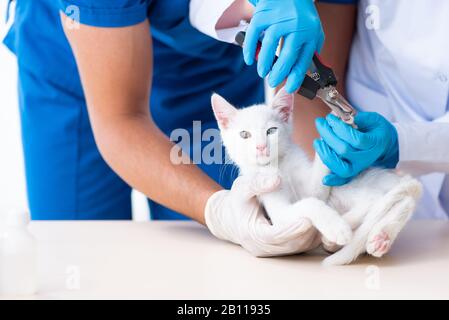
{"x":298,"y":23}
{"x":347,"y":151}
{"x":235,"y":215}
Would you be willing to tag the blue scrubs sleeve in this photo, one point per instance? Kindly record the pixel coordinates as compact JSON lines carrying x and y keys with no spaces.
{"x":106,"y":13}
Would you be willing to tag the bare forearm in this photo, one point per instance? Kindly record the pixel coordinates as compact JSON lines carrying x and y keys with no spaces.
{"x":339,"y":25}
{"x":116,"y":71}
{"x":140,"y":154}
{"x":239,"y":10}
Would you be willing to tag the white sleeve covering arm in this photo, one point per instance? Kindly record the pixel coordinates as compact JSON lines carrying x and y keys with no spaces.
{"x":204,"y":15}
{"x":424,"y":146}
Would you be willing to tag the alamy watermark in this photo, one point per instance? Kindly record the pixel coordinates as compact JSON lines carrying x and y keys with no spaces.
{"x":73,"y":14}
{"x":73,"y":278}
{"x":198,"y":146}
{"x":372,"y":21}
{"x":372,"y":280}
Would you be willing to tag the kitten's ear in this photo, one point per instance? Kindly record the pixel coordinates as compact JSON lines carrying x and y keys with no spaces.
{"x":223,"y":110}
{"x":283,"y":104}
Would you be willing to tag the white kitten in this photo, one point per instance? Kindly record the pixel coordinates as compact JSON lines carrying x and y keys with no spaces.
{"x":376,"y":205}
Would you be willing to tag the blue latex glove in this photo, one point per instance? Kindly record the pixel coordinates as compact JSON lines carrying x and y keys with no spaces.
{"x":347,"y":151}
{"x":296,"y":21}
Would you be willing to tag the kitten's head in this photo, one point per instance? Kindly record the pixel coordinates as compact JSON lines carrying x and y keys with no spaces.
{"x":257,"y":135}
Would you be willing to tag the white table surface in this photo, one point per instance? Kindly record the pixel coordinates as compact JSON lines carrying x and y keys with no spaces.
{"x":181,"y":260}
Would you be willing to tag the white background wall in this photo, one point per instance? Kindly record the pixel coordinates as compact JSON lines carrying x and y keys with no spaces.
{"x":12,"y":178}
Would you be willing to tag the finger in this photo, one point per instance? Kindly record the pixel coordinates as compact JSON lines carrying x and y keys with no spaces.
{"x":296,"y":77}
{"x":341,"y":147}
{"x":268,"y":51}
{"x":294,"y":230}
{"x":344,"y":131}
{"x":359,"y":158}
{"x":337,"y":165}
{"x":275,"y":237}
{"x":289,"y":54}
{"x":256,"y":27}
{"x":332,"y":180}
{"x":366,"y":120}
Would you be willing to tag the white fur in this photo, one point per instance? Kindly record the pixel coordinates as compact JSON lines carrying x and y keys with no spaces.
{"x":376,"y":205}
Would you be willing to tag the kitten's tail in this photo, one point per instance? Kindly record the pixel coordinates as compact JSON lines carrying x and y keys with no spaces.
{"x":407,"y":187}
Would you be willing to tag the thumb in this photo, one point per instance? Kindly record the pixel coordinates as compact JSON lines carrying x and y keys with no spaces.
{"x":284,"y":232}
{"x":366,"y":120}
{"x":255,"y":185}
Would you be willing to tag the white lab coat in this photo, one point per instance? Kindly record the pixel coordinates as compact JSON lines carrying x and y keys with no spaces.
{"x":399,"y":67}
{"x":204,"y":15}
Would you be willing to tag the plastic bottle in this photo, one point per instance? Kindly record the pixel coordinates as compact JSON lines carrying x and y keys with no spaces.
{"x":18,"y":255}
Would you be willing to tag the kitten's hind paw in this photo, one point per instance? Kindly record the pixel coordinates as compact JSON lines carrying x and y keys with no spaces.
{"x":330,"y":247}
{"x":379,"y":245}
{"x":336,"y":231}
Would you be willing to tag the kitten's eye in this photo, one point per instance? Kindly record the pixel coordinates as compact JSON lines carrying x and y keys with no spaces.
{"x":245,"y":134}
{"x":272,"y":130}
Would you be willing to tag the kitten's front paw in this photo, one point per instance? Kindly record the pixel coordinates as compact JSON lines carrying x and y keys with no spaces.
{"x":336,"y":230}
{"x":379,"y":245}
{"x":264,"y":183}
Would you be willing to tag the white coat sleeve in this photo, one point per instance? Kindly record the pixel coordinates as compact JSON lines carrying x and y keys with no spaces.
{"x":204,"y":15}
{"x":424,"y":146}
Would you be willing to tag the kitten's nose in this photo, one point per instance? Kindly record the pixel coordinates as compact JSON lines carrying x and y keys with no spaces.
{"x":261,"y":147}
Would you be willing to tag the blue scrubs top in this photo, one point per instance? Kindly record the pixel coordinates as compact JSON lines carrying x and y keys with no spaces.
{"x":66,"y":176}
